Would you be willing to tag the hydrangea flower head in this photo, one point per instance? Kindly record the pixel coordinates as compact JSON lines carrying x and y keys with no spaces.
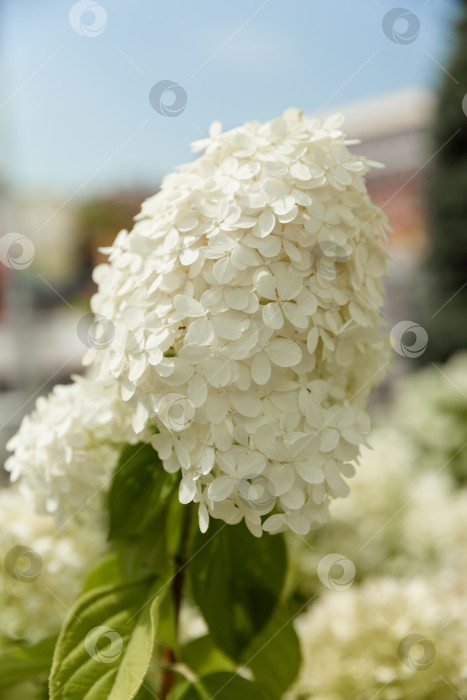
{"x":66,"y":449}
{"x":245,"y":302}
{"x":41,"y":568}
{"x":390,"y":638}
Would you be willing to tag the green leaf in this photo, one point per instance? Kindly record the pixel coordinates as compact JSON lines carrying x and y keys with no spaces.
{"x":35,"y":689}
{"x":203,"y":657}
{"x":124,"y":615}
{"x":22,"y":662}
{"x":274,"y":655}
{"x":106,"y":572}
{"x":236,"y":580}
{"x":144,"y":554}
{"x":224,"y":686}
{"x":140,"y":502}
{"x":140,"y":490}
{"x":145,"y":693}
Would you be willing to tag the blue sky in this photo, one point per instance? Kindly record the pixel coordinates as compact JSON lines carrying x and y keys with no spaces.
{"x":76,"y":117}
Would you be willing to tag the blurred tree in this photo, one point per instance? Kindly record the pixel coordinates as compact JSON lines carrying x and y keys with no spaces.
{"x":447,"y":204}
{"x":100,"y":220}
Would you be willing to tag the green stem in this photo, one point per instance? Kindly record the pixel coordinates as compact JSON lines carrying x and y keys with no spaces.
{"x":168,"y":654}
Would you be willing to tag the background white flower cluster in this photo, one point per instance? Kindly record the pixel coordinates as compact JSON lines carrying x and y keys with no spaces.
{"x":65,"y":451}
{"x":34,"y":607}
{"x":431,"y":408}
{"x":404,"y":532}
{"x":351,"y":641}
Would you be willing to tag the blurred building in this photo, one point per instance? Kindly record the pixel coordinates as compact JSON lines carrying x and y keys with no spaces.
{"x":42,"y":304}
{"x":394,"y":130}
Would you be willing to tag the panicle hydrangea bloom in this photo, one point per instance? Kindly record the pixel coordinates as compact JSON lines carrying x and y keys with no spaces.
{"x":246,"y":304}
{"x":33,"y":607}
{"x":356,"y":642}
{"x":66,"y":448}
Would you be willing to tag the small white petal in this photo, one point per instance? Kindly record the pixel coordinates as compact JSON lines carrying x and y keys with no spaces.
{"x":207,"y":460}
{"x":300,"y":171}
{"x":298,"y":523}
{"x":281,"y":477}
{"x":223,"y":270}
{"x":289,"y":285}
{"x":293,"y":499}
{"x":226,"y":462}
{"x":329,"y":440}
{"x":265,"y":284}
{"x":217,"y":406}
{"x":270,"y":247}
{"x":226,"y":327}
{"x":188,"y":256}
{"x":275,"y":187}
{"x":333,"y":477}
{"x":197,"y":391}
{"x":312,"y":474}
{"x":187,"y":489}
{"x":283,"y":205}
{"x":200,"y":332}
{"x":265,"y":224}
{"x":261,"y":368}
{"x":140,"y":418}
{"x":312,"y":340}
{"x":357,"y":314}
{"x":275,"y":523}
{"x":284,"y":353}
{"x":203,"y":517}
{"x":236,"y":298}
{"x":307,"y":301}
{"x":352,"y":436}
{"x":218,"y":371}
{"x":127,"y":391}
{"x":246,"y":403}
{"x":221,"y":488}
{"x":187,"y":306}
{"x":137,"y":367}
{"x":272,"y":315}
{"x":295,"y":315}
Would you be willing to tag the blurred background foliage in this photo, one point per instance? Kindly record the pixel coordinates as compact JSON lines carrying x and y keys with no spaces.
{"x":447,"y":208}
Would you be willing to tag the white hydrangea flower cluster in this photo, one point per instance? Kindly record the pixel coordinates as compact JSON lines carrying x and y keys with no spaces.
{"x":245,"y":302}
{"x":383,"y":528}
{"x":65,"y":450}
{"x":390,"y":638}
{"x":37,"y":588}
{"x":436,"y":396}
